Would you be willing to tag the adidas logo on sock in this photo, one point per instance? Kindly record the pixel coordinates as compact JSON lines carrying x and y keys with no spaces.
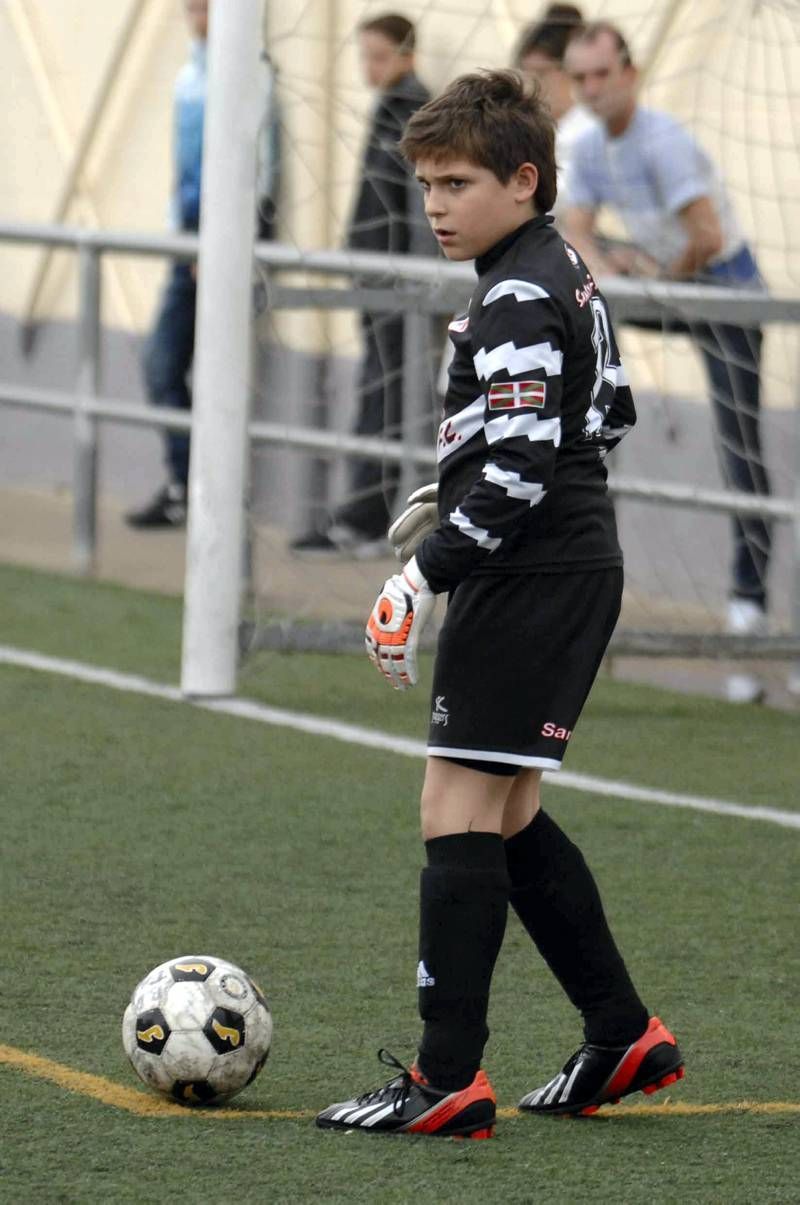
{"x":424,"y":977}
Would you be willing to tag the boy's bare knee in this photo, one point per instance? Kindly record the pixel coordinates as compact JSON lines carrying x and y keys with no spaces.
{"x":523,"y":802}
{"x":456,"y":799}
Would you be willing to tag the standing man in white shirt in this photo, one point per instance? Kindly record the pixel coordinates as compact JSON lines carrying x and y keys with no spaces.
{"x":676,"y":211}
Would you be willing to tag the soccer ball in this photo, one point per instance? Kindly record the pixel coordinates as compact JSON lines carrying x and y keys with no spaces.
{"x":198,"y":1029}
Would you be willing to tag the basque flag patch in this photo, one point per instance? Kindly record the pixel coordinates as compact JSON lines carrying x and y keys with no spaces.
{"x":514,"y":395}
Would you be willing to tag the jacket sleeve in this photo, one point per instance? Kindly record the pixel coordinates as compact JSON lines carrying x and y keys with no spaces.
{"x":268,"y":149}
{"x":517,"y":345}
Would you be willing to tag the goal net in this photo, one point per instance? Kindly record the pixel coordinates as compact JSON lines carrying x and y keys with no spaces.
{"x":728,"y":70}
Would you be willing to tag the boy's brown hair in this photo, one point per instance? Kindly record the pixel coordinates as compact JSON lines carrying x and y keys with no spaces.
{"x":495,"y":120}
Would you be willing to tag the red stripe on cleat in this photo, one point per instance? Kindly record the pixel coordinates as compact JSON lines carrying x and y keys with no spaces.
{"x":435,"y":1120}
{"x":656,"y":1034}
{"x":587,"y":1112}
{"x":487,"y":1133}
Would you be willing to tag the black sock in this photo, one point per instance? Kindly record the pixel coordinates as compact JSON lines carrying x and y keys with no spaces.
{"x":463,"y":909}
{"x":555,"y":896}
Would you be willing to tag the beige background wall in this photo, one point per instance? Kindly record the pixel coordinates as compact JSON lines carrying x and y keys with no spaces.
{"x":730,"y":70}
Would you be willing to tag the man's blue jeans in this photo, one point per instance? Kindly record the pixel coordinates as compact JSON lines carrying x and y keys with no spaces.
{"x":732,"y":358}
{"x":168,"y":361}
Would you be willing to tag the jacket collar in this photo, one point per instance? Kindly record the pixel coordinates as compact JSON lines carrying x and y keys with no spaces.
{"x":489,"y":258}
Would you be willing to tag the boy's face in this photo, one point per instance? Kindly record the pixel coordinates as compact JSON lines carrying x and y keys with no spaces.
{"x":382,"y":60}
{"x":469,"y":209}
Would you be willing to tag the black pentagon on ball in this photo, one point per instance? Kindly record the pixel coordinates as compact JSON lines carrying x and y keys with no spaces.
{"x":152,"y":1031}
{"x":225,"y":1030}
{"x":193,"y":1092}
{"x":193,"y":969}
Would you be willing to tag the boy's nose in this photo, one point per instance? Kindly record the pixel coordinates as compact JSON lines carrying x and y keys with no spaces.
{"x":433,"y":204}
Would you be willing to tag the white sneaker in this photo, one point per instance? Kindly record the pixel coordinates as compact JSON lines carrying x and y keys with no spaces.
{"x":745,"y":618}
{"x":744,"y":688}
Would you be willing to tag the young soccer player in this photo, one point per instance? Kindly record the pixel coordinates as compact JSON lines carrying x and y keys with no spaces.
{"x":526,"y":548}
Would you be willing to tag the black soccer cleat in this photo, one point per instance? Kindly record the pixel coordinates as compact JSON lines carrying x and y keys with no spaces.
{"x":599,"y":1075}
{"x":409,"y":1105}
{"x":167,"y":509}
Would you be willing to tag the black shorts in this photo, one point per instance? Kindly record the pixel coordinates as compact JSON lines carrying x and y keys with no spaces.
{"x":515,"y":662}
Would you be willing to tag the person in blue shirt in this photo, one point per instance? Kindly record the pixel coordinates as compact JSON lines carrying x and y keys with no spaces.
{"x":170,"y":348}
{"x":676,"y":211}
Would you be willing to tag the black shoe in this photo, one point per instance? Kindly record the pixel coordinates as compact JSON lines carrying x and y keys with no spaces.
{"x":167,"y":509}
{"x":342,"y":542}
{"x":409,"y":1105}
{"x":314,"y":543}
{"x":599,"y":1075}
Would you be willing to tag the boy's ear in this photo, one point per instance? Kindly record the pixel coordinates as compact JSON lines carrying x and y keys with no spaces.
{"x":526,"y":182}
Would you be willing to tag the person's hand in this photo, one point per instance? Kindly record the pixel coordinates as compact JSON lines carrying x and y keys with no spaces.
{"x":417,"y":521}
{"x":627,"y":260}
{"x":403,"y":607}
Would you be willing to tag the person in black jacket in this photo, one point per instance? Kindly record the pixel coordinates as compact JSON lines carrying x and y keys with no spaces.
{"x":527,"y":550}
{"x":387,"y":216}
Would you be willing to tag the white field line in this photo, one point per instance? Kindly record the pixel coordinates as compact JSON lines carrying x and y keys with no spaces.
{"x":353,"y":734}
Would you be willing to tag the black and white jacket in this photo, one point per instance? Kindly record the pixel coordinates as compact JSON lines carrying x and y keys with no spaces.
{"x":536,"y":398}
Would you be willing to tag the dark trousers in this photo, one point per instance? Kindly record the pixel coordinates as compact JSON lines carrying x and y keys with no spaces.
{"x":732,"y":358}
{"x":168,"y":360}
{"x":373,"y":484}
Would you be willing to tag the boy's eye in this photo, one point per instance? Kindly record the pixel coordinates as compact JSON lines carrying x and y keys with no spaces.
{"x":457,"y":184}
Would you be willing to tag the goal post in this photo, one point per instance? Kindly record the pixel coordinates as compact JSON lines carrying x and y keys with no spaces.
{"x":216,"y":523}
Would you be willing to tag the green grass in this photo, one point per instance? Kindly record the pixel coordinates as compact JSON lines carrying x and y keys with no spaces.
{"x":136,"y":829}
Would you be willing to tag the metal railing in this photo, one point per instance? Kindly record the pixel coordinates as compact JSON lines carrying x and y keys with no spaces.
{"x":423,"y":287}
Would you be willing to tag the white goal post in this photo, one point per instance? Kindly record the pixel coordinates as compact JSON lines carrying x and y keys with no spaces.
{"x":215,"y":537}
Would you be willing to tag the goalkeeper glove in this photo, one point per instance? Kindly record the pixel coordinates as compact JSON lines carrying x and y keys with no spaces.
{"x":417,"y":521}
{"x":403,"y":608}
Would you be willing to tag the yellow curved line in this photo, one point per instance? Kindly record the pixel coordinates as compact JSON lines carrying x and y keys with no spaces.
{"x":143,"y":1104}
